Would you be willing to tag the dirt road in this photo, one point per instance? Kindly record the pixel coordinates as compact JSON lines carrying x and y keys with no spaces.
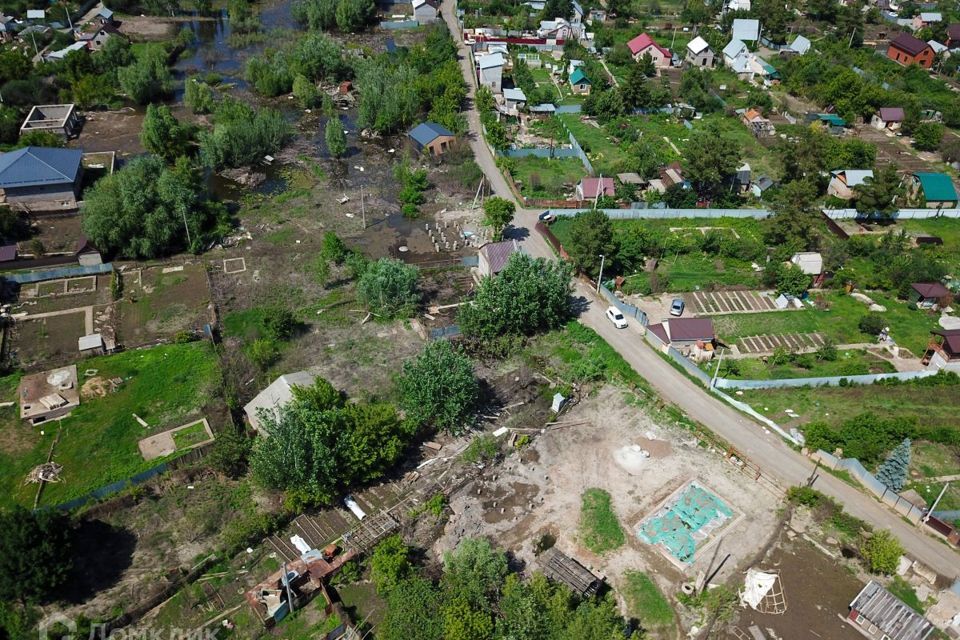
{"x":766,"y":450}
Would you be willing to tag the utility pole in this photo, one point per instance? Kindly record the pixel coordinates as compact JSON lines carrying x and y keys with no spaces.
{"x":69,"y":20}
{"x":935,"y":503}
{"x":185,"y":226}
{"x":596,"y":195}
{"x":716,"y":373}
{"x":600,"y":277}
{"x":853,"y":33}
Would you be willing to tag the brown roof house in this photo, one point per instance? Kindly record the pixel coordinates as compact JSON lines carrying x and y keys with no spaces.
{"x":48,"y":395}
{"x":493,"y":256}
{"x":907,"y":49}
{"x":944,"y":348}
{"x":877,"y":613}
{"x":928,"y":294}
{"x":889,"y":118}
{"x":691,"y":336}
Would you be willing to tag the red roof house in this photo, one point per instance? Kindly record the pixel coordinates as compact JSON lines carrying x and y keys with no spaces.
{"x":907,"y":49}
{"x":684,"y":331}
{"x":644,"y":44}
{"x":590,"y":188}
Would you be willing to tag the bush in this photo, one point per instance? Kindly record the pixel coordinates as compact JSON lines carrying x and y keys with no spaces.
{"x":806,"y":496}
{"x":388,"y":288}
{"x":439,"y":388}
{"x":872,"y":324}
{"x":482,"y":448}
{"x":389,"y":564}
{"x":882,"y":552}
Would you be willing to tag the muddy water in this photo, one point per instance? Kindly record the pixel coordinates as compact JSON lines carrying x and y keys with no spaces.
{"x":367,"y":164}
{"x":817,"y":590}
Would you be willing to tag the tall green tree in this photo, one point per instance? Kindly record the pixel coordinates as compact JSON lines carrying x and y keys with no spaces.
{"x":197,"y":95}
{"x":591,"y":236}
{"x":388,"y":288}
{"x":528,"y":296}
{"x":242,"y":135}
{"x":144,"y":209}
{"x":163,"y":135}
{"x":796,"y":223}
{"x":316,"y":446}
{"x":35,"y":554}
{"x":335,"y":138}
{"x":497,"y":214}
{"x":438,"y":387}
{"x":148,"y":78}
{"x":354,"y":15}
{"x":712,"y":159}
{"x":877,"y":195}
{"x":893,"y":472}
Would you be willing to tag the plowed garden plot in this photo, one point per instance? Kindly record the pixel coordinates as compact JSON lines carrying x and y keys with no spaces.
{"x":793,"y":342}
{"x":707,"y":302}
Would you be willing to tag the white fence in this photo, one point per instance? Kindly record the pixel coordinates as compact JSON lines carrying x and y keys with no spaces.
{"x":902,"y":214}
{"x":831,"y":381}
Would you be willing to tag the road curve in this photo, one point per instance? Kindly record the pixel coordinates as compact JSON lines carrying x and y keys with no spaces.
{"x":766,"y":450}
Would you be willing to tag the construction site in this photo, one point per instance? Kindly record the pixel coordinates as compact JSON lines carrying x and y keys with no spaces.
{"x":692,"y":511}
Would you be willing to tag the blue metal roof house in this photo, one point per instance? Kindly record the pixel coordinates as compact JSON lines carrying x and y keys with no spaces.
{"x":41,"y":178}
{"x":432,"y":136}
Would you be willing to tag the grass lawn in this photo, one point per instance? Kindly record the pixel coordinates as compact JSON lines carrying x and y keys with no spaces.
{"x":645,"y":602}
{"x":947,"y":229}
{"x":932,"y":406}
{"x":599,"y":527}
{"x":552,"y":178}
{"x":902,"y":589}
{"x":165,"y":386}
{"x":930,"y":460}
{"x":605,"y":155}
{"x":910,"y":329}
{"x":848,"y":363}
{"x":691,"y":271}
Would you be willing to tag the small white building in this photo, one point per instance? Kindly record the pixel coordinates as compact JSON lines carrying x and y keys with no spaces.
{"x":810,"y":262}
{"x":699,"y":53}
{"x":734,"y":49}
{"x":842,"y":182}
{"x":514,"y":100}
{"x":490,"y":71}
{"x":800,"y":45}
{"x":425,"y":11}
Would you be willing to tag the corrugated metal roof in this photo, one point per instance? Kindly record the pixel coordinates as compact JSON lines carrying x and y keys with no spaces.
{"x":498,"y":254}
{"x":745,"y":29}
{"x":34,"y":166}
{"x":579,"y":77}
{"x":889,"y":614}
{"x":937,"y":187}
{"x":490,"y":61}
{"x":426,"y":132}
{"x":279,"y":393}
{"x":687,"y":329}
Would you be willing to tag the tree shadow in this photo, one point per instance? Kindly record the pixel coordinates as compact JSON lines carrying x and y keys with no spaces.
{"x":101,"y":554}
{"x":579,"y":305}
{"x":516,"y":233}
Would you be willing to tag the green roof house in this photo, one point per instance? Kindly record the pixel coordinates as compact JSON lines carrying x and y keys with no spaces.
{"x":579,"y":82}
{"x":936,"y":188}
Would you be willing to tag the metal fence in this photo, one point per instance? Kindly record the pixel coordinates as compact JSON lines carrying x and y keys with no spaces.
{"x":539,"y":152}
{"x":867,"y":479}
{"x":830,"y":381}
{"x":902,"y":214}
{"x":625,"y":308}
{"x":53,"y":274}
{"x":393,"y":25}
{"x":569,"y":108}
{"x":657,"y":214}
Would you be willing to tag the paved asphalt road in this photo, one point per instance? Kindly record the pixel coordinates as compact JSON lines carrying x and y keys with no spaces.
{"x":766,"y":450}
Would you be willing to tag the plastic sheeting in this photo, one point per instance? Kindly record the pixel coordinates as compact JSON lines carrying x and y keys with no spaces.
{"x":756,"y":585}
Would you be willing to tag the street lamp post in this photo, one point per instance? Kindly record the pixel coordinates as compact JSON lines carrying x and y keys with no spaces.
{"x":600,"y":277}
